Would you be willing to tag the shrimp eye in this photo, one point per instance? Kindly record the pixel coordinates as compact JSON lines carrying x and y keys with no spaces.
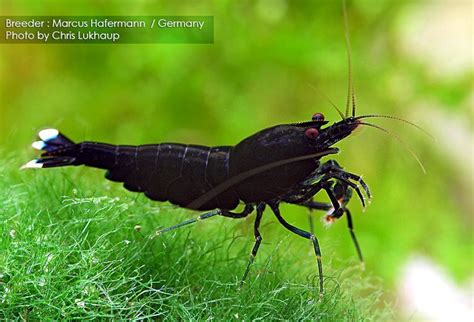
{"x":311,"y":133}
{"x":318,"y":117}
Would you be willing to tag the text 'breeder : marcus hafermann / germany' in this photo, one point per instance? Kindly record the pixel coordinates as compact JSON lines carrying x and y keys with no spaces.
{"x":103,"y":23}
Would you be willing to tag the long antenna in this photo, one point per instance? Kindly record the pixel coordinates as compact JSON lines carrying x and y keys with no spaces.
{"x":403,"y":143}
{"x":328,"y":99}
{"x":350,"y":86}
{"x":397,"y":119}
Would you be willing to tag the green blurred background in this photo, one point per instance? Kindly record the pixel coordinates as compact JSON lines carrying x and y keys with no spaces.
{"x":411,"y":59}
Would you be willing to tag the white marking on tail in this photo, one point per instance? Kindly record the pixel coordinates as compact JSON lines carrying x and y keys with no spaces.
{"x":38,"y":145}
{"x":48,"y":134}
{"x":33,"y":164}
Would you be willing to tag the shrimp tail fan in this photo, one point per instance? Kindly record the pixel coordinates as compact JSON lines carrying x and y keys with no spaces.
{"x":57,"y":149}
